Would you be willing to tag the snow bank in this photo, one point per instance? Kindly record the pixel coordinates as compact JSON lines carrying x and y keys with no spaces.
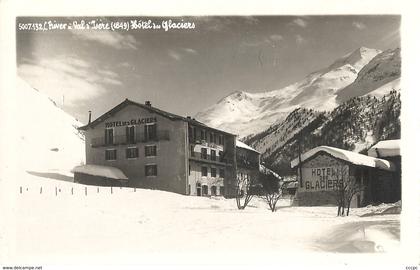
{"x":98,"y":170}
{"x":352,"y":157}
{"x":387,"y":148}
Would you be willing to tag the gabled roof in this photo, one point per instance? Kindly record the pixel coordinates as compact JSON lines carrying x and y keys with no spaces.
{"x":245,"y":146}
{"x":388,"y":148}
{"x":351,"y":157}
{"x":151,"y":109}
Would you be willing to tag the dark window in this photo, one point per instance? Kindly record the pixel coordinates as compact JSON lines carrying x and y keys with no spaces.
{"x":213,"y":172}
{"x":190,"y":133}
{"x":132,"y":152}
{"x":150,"y":132}
{"x":203,"y":171}
{"x":213,"y":154}
{"x":221,"y":156}
{"x":222,"y":173}
{"x":222,"y":191}
{"x":204,"y":153}
{"x":130,"y":134}
{"x":195,"y":133}
{"x":150,"y":150}
{"x":213,"y":190}
{"x":203,"y":135}
{"x":189,"y":169}
{"x":192,"y":150}
{"x":111,"y":154}
{"x":211,"y":137}
{"x":109,"y":136}
{"x":189,"y":189}
{"x":205,"y":190}
{"x":151,"y":170}
{"x":221,"y":140}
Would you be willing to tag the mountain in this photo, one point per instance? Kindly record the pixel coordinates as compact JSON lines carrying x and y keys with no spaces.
{"x":354,"y":125}
{"x":40,"y":136}
{"x":381,"y":75}
{"x":246,"y":113}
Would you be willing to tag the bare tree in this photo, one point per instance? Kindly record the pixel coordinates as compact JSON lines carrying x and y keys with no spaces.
{"x":346,"y":188}
{"x":271,"y":188}
{"x":243,"y":192}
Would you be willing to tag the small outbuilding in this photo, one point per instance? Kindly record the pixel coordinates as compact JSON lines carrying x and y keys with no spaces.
{"x":99,"y":175}
{"x":322,"y":170}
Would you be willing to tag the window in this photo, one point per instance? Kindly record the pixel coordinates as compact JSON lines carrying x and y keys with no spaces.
{"x":132,"y":152}
{"x":203,"y":171}
{"x":213,"y":172}
{"x":150,"y":150}
{"x":130,"y":134}
{"x":222,"y":190}
{"x":213,"y":190}
{"x":190,"y":133}
{"x":203,"y":135}
{"x":151,"y":170}
{"x":213,"y":154}
{"x":212,"y":137}
{"x":221,"y":140}
{"x":192,"y":150}
{"x":189,"y":169}
{"x":222,"y":173}
{"x":205,"y":190}
{"x":111,"y":154}
{"x":150,"y":132}
{"x":195,"y":133}
{"x":189,"y":189}
{"x":221,"y":156}
{"x":109,"y":136}
{"x":204,"y":153}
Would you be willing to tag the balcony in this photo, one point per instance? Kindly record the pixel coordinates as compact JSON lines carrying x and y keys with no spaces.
{"x":217,"y":160}
{"x":138,"y":138}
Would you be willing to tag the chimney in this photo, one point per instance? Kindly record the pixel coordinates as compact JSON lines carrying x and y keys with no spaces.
{"x":147,"y":103}
{"x":90,"y":116}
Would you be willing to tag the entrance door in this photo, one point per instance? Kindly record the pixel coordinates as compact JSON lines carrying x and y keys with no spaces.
{"x":198,"y":189}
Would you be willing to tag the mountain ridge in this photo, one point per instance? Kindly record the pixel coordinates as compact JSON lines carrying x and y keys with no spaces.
{"x":318,"y":89}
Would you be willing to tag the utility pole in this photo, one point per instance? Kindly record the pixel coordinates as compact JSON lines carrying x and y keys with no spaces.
{"x":300,"y":160}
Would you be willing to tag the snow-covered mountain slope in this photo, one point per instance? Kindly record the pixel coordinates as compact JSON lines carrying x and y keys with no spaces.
{"x":248,"y":113}
{"x":41,"y":137}
{"x":383,"y":69}
{"x":354,"y":125}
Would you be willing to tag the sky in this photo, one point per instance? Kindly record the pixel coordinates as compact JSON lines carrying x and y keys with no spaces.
{"x":184,"y":71}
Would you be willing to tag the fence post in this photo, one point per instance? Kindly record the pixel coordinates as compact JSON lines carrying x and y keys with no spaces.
{"x":40,"y":190}
{"x":134,"y":189}
{"x":111,"y":189}
{"x":20,"y":189}
{"x":98,"y":189}
{"x":85,"y":191}
{"x":71,"y":190}
{"x":55,"y":191}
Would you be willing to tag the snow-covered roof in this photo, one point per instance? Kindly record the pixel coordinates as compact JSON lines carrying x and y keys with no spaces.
{"x":389,"y":148}
{"x":245,"y":146}
{"x":352,"y":157}
{"x":99,"y":170}
{"x":266,"y":170}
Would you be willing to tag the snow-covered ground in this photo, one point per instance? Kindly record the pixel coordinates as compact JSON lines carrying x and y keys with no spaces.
{"x":96,"y":225}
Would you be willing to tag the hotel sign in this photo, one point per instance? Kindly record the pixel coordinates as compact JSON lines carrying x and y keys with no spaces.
{"x":132,"y":122}
{"x":324,"y":178}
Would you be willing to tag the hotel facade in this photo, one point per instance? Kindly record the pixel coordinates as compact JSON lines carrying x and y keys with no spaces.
{"x":155,"y":149}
